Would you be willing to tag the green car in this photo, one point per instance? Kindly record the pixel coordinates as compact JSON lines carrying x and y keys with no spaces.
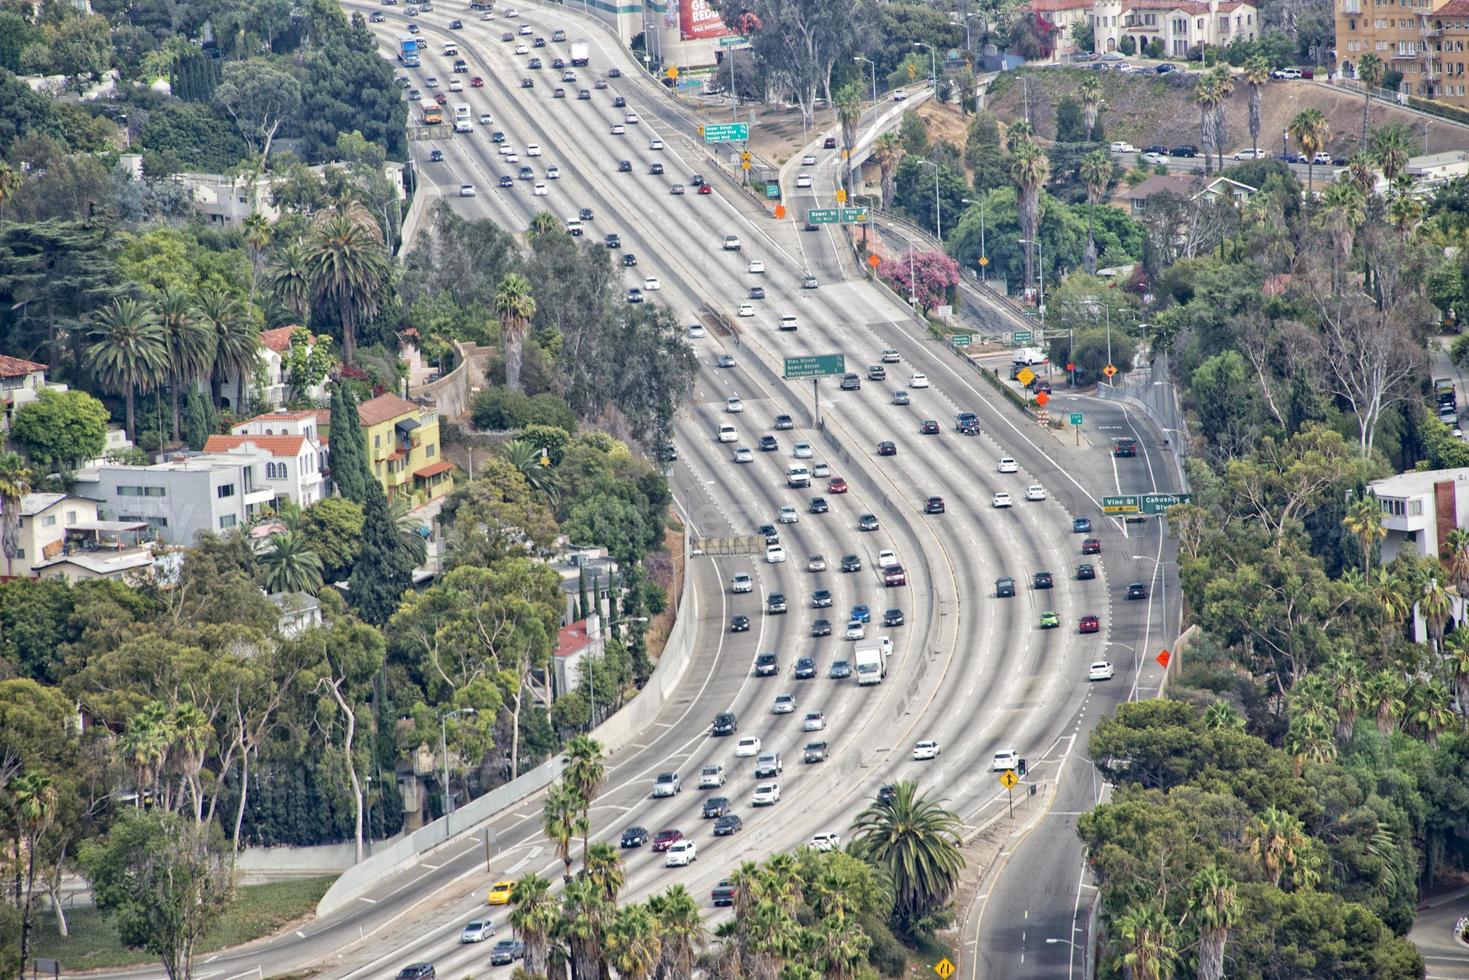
{"x":1049,"y":620}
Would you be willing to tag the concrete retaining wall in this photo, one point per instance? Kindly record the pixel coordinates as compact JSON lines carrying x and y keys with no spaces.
{"x":453,"y":393}
{"x":285,"y":862}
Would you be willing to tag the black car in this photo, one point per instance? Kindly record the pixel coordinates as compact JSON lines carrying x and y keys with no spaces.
{"x":821,"y":599}
{"x":619,"y":102}
{"x":893,"y":617}
{"x":624,"y":166}
{"x":934,"y":505}
{"x":769,"y":533}
{"x":535,"y":64}
{"x":1137,"y":590}
{"x":614,"y":72}
{"x":1156,"y":148}
{"x":583,"y":95}
{"x":612,"y":241}
{"x":497,"y":137}
{"x":435,"y":156}
{"x":629,"y":260}
{"x":851,"y":563}
{"x":1186,"y":150}
{"x":506,"y":951}
{"x":724,"y":723}
{"x":757,"y":292}
{"x":739,"y":624}
{"x":839,"y":669}
{"x":867,"y":522}
{"x":507,"y":36}
{"x":1005,"y":588}
{"x":559,"y":93}
{"x":767,"y":665}
{"x":585,"y":214}
{"x":818,"y":505}
{"x":967,"y":423}
{"x":928,"y":428}
{"x":887,"y":794}
{"x":886,"y":448}
{"x":1085,"y":571}
{"x":830,"y":143}
{"x":775,"y":604}
{"x":821,"y":627}
{"x":851,"y":382}
{"x":768,"y":444}
{"x":805,"y":668}
{"x":635,"y":837}
{"x":697,"y":180}
{"x":729,"y":823}
{"x":815,"y":752}
{"x":783,"y":422}
{"x":527,"y":83}
{"x":715,"y":806}
{"x":656,"y":169}
{"x":1043,"y":580}
{"x":417,"y":971}
{"x":506,"y":181}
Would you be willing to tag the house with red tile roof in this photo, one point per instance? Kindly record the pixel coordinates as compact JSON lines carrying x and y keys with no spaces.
{"x":403,"y":448}
{"x":275,"y":345}
{"x":1181,"y":25}
{"x":293,"y":471}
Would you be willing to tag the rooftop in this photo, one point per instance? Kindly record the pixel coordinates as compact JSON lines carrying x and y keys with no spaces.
{"x":35,"y":503}
{"x":279,"y":339}
{"x":289,"y":446}
{"x":1416,"y":483}
{"x":286,"y":415}
{"x":573,"y":639}
{"x":385,"y":408}
{"x":1454,"y":8}
{"x":195,"y":463}
{"x":18,"y":367}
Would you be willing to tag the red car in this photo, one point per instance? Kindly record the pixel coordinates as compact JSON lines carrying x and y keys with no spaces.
{"x":476,"y":82}
{"x":705,"y":189}
{"x":894,"y":575}
{"x":1090,"y":624}
{"x":665,"y":839}
{"x":1091,"y":546}
{"x":440,"y":98}
{"x":836,"y":485}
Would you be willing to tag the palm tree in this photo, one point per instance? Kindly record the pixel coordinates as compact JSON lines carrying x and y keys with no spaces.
{"x":1311,"y":131}
{"x":144,"y":748}
{"x":1029,"y":169}
{"x":193,"y":735}
{"x":34,"y":800}
{"x":1221,"y":716}
{"x":1390,"y":147}
{"x":533,"y":914}
{"x":848,"y":104}
{"x":1361,"y":172}
{"x":1404,"y":208}
{"x":1150,"y":953}
{"x":1096,"y":170}
{"x":544,"y":223}
{"x":1090,"y":90}
{"x":602,"y":864}
{"x":1309,"y":738}
{"x":10,"y":181}
{"x":915,"y":842}
{"x":586,"y":918}
{"x":1207,"y":96}
{"x":291,"y":564}
{"x":749,"y":887}
{"x":1344,"y":674}
{"x":774,"y":936}
{"x":236,"y":343}
{"x":1364,"y":521}
{"x":16,"y":481}
{"x":1390,"y":593}
{"x":1456,"y":651}
{"x":257,"y":236}
{"x":1256,"y":74}
{"x":681,"y":927}
{"x":188,"y":340}
{"x":515,"y":306}
{"x":411,"y":544}
{"x":1214,"y":905}
{"x":585,"y":772}
{"x":1429,"y":709}
{"x":1383,"y":696}
{"x":1370,"y":70}
{"x":1276,"y":841}
{"x":634,"y":942}
{"x":887,"y":152}
{"x":289,"y":277}
{"x":534,"y":464}
{"x":1017,"y":133}
{"x":1342,"y":211}
{"x":562,"y":821}
{"x":1435,"y":605}
{"x":347,"y":266}
{"x":127,"y":354}
{"x":1456,"y":557}
{"x":1219,"y":128}
{"x":842,"y":947}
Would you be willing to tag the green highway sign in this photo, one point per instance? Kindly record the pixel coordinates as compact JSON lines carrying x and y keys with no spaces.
{"x":961,"y":340}
{"x":1126,"y":504}
{"x":850,"y":215}
{"x":726,"y":132}
{"x":1157,"y":503}
{"x":815,"y":366}
{"x":1020,"y":337}
{"x":731,"y":40}
{"x":1075,"y":418}
{"x":835,"y":216}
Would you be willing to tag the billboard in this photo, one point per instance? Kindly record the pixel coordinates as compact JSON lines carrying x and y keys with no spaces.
{"x":698,"y":19}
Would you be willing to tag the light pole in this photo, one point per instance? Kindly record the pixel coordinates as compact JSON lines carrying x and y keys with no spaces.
{"x":592,"y":675}
{"x":934,"y":60}
{"x":984,"y":258}
{"x":938,"y":218}
{"x":912,"y":278}
{"x":1284,"y":142}
{"x":1040,"y":277}
{"x":444,"y":751}
{"x":874,"y":75}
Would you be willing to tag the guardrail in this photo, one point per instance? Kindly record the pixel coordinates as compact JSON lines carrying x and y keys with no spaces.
{"x":1154,"y":394}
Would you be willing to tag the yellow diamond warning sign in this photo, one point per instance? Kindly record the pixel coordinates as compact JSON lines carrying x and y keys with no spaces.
{"x":1008,"y":779}
{"x":944,"y":968}
{"x":1026,"y":376}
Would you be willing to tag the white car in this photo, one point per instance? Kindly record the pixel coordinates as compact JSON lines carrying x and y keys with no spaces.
{"x":522,"y":48}
{"x":524,"y":28}
{"x":734,"y":405}
{"x":747,"y":747}
{"x":1286,"y":73}
{"x":431,"y":82}
{"x":727,"y":433}
{"x":816,"y":563}
{"x":512,"y":157}
{"x":1100,"y":671}
{"x":485,"y":119}
{"x":820,"y":471}
{"x":632,"y":118}
{"x":1001,"y":499}
{"x":746,"y":309}
{"x":742,"y":582}
{"x":617,"y":129}
{"x":757,"y":267}
{"x":652,"y":283}
{"x":532,"y":149}
{"x":711,"y":777}
{"x":766,"y":794}
{"x":1250,"y":153}
{"x":731,"y":243}
{"x":814,"y":721}
{"x":477,"y":931}
{"x":899,"y":95}
{"x":775,"y":554}
{"x":828,"y":841}
{"x":926,"y":749}
{"x":1156,"y":158}
{"x":856,"y":630}
{"x":466,"y":190}
{"x":803,"y":450}
{"x":809,"y":160}
{"x":1035,"y":492}
{"x":886,"y":558}
{"x":803,"y":180}
{"x":681,"y":854}
{"x":655,"y":144}
{"x":1005,"y":759}
{"x":553,"y":172}
{"x":456,"y":85}
{"x":506,"y":149}
{"x":696,"y":331}
{"x":784,"y":704}
{"x":744,"y":454}
{"x":1122,"y":147}
{"x":889,"y":356}
{"x":787,"y":515}
{"x":540,"y":189}
{"x":1008,"y":465}
{"x":788,"y":322}
{"x":918,"y":381}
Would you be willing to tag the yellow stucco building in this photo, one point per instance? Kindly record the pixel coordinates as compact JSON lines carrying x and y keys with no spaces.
{"x":403,"y":448}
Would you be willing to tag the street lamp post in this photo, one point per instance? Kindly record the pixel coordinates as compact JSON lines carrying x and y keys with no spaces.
{"x":984,"y":265}
{"x":934,"y":64}
{"x":444,"y":751}
{"x":938,"y":217}
{"x":874,"y":75}
{"x":1284,"y":142}
{"x":1040,"y":276}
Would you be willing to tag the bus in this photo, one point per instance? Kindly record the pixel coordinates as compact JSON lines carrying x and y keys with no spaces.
{"x":433,"y":115}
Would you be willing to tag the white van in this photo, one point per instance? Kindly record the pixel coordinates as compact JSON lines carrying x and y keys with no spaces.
{"x":798,"y":476}
{"x":727,"y":433}
{"x":451,"y":50}
{"x":1029,"y":356}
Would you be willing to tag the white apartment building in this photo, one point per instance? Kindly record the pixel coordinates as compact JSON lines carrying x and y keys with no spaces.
{"x":294,"y":472}
{"x":185,"y":495}
{"x":60,"y":536}
{"x":1181,"y":24}
{"x":1419,"y":509}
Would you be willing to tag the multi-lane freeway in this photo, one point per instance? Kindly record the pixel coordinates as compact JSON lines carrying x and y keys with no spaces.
{"x":971,"y":670}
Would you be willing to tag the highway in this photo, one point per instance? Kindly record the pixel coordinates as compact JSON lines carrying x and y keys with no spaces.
{"x":970,"y":670}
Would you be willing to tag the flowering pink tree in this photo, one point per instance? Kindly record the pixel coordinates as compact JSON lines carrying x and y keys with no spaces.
{"x":933,"y":274}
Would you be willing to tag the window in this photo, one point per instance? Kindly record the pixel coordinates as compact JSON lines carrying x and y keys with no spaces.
{"x":429,"y":450}
{"x":48,"y":520}
{"x":377,"y":441}
{"x":142,"y":491}
{"x":1392,"y":507}
{"x":226,"y":490}
{"x":227,"y":521}
{"x":71,"y":518}
{"x":1415,"y":508}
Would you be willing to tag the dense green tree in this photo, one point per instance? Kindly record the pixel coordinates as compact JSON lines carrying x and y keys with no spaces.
{"x":195,"y":136}
{"x":128,"y":352}
{"x":61,"y":429}
{"x":351,"y":471}
{"x":348,"y":86}
{"x":333,"y":526}
{"x":381,"y":574}
{"x":347,"y":268}
{"x":260,"y":96}
{"x":53,"y":274}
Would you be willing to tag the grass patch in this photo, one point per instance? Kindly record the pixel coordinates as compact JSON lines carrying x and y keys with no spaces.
{"x":257,"y":911}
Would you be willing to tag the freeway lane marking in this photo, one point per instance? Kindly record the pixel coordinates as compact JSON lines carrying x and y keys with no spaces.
{"x":534,"y":853}
{"x":364,"y":898}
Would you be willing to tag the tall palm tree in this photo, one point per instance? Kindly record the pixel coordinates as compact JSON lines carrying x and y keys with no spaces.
{"x":1390,"y":147}
{"x":914,"y":841}
{"x":1150,"y":952}
{"x":1213,"y":904}
{"x":1207,"y":96}
{"x":1311,"y":131}
{"x":848,"y":104}
{"x":585,"y":772}
{"x":144,"y":748}
{"x":10,"y":181}
{"x":236,"y":343}
{"x":681,"y":926}
{"x":1276,"y":840}
{"x":1257,"y":75}
{"x":1219,"y":127}
{"x":1404,"y":207}
{"x":411,"y":545}
{"x":544,"y":223}
{"x":1391,"y":595}
{"x":127,"y":353}
{"x":1362,"y":173}
{"x":289,"y":277}
{"x":515,"y":306}
{"x":193,"y":736}
{"x":34,"y":799}
{"x":1429,"y":709}
{"x":188,"y":340}
{"x":1435,"y":605}
{"x":841,"y":947}
{"x":527,"y":458}
{"x":562,"y":822}
{"x":1383,"y":696}
{"x":1456,"y":657}
{"x":634,"y":942}
{"x":774,"y":937}
{"x":1090,"y":90}
{"x":1456,"y":557}
{"x":347,"y":266}
{"x":586,"y":918}
{"x":1370,"y":70}
{"x":290,"y":563}
{"x":1364,"y":522}
{"x":1343,"y":673}
{"x":1029,"y":168}
{"x":603,"y":865}
{"x":257,"y":236}
{"x":1342,"y":212}
{"x":1308,"y":739}
{"x":1096,"y":170}
{"x":1017,"y":133}
{"x":888,"y":153}
{"x":533,"y":915}
{"x":16,"y":481}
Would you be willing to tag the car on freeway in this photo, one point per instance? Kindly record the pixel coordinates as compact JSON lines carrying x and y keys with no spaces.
{"x":787,"y":515}
{"x":466,"y":190}
{"x":802,"y":450}
{"x":711,"y":777}
{"x":715,"y":806}
{"x":558,"y":93}
{"x":768,"y":764}
{"x":784,"y":704}
{"x":739,"y":623}
{"x":1085,"y":571}
{"x":1081,"y":525}
{"x":1035,"y":492}
{"x":766,"y":794}
{"x":900,"y":397}
{"x":787,"y":323}
{"x":886,"y":558}
{"x":632,"y":119}
{"x":500,"y":893}
{"x":726,"y":361}
{"x":1100,"y":671}
{"x":862,"y":612}
{"x":926,"y":750}
{"x":887,"y":448}
{"x":696,"y":331}
{"x":851,"y":382}
{"x":768,"y":444}
{"x":1050,"y":620}
{"x":506,"y":181}
{"x":839,"y":669}
{"x":635,"y":837}
{"x":629,"y":260}
{"x":745,"y":310}
{"x":967,"y":423}
{"x":635,"y":295}
{"x":725,"y":723}
{"x":681,"y":854}
{"x":747,"y":746}
{"x":933,"y":505}
{"x":705,"y":189}
{"x":1042,"y":580}
{"x":734,"y":404}
{"x":856,"y":630}
{"x":728,"y":824}
{"x":667,"y":784}
{"x":656,"y":169}
{"x":890,"y":356}
{"x":867,"y":522}
{"x":1007,"y":464}
{"x":918,"y":381}
{"x":826,"y":841}
{"x":820,"y":627}
{"x":540,"y":189}
{"x":816,"y":563}
{"x":805,"y":668}
{"x":1250,"y":153}
{"x":665,"y":839}
{"x":506,"y":951}
{"x":1001,"y":499}
{"x":727,"y":433}
{"x":775,"y":604}
{"x":818,"y":505}
{"x":618,"y":102}
{"x":1159,"y":159}
{"x":1187,"y":151}
{"x":808,"y":281}
{"x":1137,"y":590}
{"x":851,"y":563}
{"x":821,"y":599}
{"x":413,"y":28}
{"x":814,"y":721}
{"x":1089,"y":624}
{"x":417,"y":971}
{"x":435,"y":155}
{"x":1005,"y":588}
{"x":731,"y":242}
{"x":836,"y":485}
{"x":892,"y":617}
{"x":930,"y":427}
{"x":887,"y":794}
{"x":477,"y":931}
{"x":1091,"y":546}
{"x":1005,"y":759}
{"x":775,"y":554}
{"x":877,"y":372}
{"x":784,"y":423}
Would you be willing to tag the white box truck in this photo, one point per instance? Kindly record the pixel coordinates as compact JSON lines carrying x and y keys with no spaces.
{"x":580,"y":53}
{"x":871,"y":658}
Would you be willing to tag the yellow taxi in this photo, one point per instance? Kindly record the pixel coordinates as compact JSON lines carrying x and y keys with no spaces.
{"x":500,"y":892}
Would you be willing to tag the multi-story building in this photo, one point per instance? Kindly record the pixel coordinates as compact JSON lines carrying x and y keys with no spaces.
{"x":403,"y":447}
{"x":1181,"y":25}
{"x":20,"y":382}
{"x":1419,"y":509}
{"x":1426,"y":41}
{"x":185,"y":494}
{"x":295,"y":472}
{"x":307,"y":423}
{"x":60,"y":536}
{"x":274,"y":346}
